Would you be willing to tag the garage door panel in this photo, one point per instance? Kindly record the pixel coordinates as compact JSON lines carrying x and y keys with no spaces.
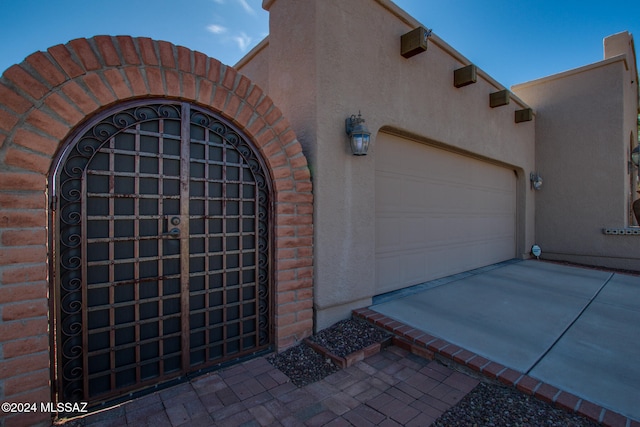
{"x":412,"y":266}
{"x":445,"y":229}
{"x":388,"y":271}
{"x":388,"y":235}
{"x":413,"y":232}
{"x":397,"y":270}
{"x":492,"y":202}
{"x":387,"y":185}
{"x":411,"y":188}
{"x":438,"y":213}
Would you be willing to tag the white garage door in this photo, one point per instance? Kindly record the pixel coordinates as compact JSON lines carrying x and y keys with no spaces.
{"x":438,"y":213}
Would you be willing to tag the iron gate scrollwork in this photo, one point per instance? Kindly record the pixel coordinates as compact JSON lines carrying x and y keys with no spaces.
{"x":161,"y":251}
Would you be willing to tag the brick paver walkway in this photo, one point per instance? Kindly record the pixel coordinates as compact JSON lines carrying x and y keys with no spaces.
{"x":391,"y":388}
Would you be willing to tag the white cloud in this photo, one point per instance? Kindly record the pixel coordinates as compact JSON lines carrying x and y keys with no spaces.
{"x":216,"y":29}
{"x":243,"y":41}
{"x":246,"y":7}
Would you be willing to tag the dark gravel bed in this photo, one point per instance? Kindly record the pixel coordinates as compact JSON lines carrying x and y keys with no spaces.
{"x":348,"y":336}
{"x":303,"y":365}
{"x":495,"y":405}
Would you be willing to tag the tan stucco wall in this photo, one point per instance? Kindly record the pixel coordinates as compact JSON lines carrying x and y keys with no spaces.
{"x":583,"y":125}
{"x":330,"y":58}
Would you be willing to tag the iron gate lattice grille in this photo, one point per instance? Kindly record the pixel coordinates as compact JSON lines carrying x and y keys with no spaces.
{"x":163,"y":242}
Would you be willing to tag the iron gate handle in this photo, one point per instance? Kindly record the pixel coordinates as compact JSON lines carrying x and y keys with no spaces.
{"x":173,"y":233}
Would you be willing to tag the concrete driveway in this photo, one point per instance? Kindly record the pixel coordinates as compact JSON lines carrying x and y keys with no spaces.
{"x":574,"y":328}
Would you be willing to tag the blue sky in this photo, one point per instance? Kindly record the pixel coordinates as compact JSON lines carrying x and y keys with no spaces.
{"x":512,"y":40}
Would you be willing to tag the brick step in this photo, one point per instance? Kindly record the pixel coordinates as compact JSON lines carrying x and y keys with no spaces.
{"x":350,"y":359}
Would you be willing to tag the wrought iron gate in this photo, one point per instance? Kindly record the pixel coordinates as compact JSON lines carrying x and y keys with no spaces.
{"x":161,"y":262}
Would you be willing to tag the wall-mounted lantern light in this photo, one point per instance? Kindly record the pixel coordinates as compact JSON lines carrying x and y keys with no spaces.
{"x":359,"y":135}
{"x":635,"y":156}
{"x":536,"y":180}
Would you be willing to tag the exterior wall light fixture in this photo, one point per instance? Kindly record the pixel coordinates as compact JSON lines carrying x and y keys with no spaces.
{"x":536,"y":180}
{"x":536,"y":251}
{"x":359,"y":135}
{"x":635,"y":156}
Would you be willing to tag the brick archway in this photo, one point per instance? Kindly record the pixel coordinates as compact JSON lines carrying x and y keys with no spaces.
{"x":42,"y":101}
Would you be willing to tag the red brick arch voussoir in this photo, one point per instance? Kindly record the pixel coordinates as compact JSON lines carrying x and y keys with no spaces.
{"x":43,"y":99}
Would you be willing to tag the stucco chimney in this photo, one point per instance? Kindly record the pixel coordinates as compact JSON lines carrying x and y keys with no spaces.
{"x":617,"y":44}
